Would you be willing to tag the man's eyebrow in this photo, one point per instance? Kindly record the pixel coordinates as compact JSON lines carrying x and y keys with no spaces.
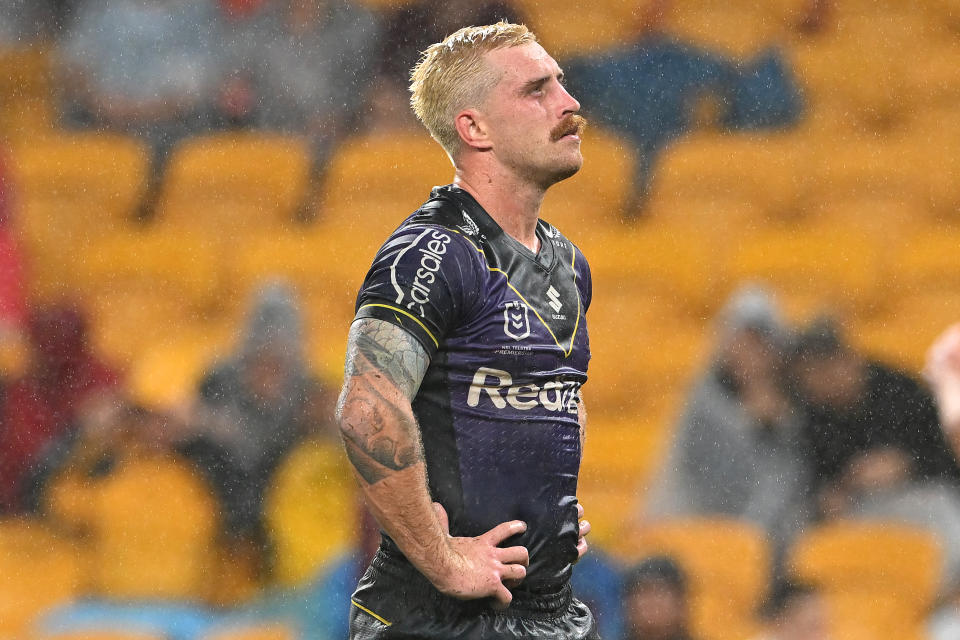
{"x":529,"y":85}
{"x":533,"y":84}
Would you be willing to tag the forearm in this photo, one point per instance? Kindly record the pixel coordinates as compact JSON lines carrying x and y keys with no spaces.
{"x":382,"y":440}
{"x":382,"y":443}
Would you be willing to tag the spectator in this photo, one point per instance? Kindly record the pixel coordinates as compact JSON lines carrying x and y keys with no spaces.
{"x":876,"y":445}
{"x":65,"y":384}
{"x":597,"y":581}
{"x":250,"y":411}
{"x":299,"y":66}
{"x":650,"y":89}
{"x":866,"y":423}
{"x":67,"y":475}
{"x":795,"y":611}
{"x":13,"y":303}
{"x":143,"y":67}
{"x":655,"y":601}
{"x":736,"y":451}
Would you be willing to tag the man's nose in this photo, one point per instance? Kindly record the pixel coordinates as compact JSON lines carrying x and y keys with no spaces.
{"x":570,"y":104}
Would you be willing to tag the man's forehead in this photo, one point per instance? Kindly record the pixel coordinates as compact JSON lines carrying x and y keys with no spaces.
{"x":524,"y":62}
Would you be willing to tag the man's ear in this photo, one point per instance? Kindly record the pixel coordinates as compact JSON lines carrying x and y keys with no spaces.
{"x":473,"y":130}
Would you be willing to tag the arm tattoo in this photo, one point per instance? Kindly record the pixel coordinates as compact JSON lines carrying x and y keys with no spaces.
{"x":385,"y":366}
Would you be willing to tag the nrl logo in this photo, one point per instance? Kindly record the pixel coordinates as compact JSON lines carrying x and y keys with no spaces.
{"x":469,"y":227}
{"x":516,"y":320}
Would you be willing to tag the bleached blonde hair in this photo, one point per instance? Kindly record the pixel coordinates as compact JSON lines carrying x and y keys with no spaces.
{"x":452,"y":75}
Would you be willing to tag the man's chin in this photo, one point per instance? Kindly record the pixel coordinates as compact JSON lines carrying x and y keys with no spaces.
{"x":567,"y":171}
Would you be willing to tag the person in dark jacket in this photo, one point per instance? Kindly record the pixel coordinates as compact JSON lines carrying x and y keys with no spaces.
{"x":655,"y":601}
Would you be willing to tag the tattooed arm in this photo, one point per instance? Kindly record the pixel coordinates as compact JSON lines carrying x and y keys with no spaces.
{"x":385,"y":366}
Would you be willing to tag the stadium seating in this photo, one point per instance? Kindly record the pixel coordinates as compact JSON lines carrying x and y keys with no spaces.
{"x":851,"y":168}
{"x":565,"y":29}
{"x":229,"y":186}
{"x":26,"y":96}
{"x":38,"y":570}
{"x":812,"y":268}
{"x":99,"y":635}
{"x":73,"y":190}
{"x":728,"y":564}
{"x":904,"y":333}
{"x":312,"y":484}
{"x":880,"y":580}
{"x":371,"y":183}
{"x":724,"y":171}
{"x":598,"y":195}
{"x":137,"y":549}
{"x":727,"y":28}
{"x":620,"y":454}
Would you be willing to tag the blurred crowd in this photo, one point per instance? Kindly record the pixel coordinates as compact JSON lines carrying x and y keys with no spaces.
{"x":167,"y":69}
{"x":787,"y":428}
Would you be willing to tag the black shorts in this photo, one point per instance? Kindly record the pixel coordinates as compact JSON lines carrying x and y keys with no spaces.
{"x":395,"y":601}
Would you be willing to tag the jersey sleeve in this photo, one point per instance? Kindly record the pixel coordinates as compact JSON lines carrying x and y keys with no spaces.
{"x":424,"y":279}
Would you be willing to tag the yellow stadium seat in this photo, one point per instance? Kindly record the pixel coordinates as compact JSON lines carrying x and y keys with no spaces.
{"x":233,"y":185}
{"x":271,"y":632}
{"x":624,"y":450}
{"x":887,"y":219}
{"x":311,"y":510}
{"x":936,"y":73}
{"x":812,"y":268}
{"x":927,"y":260}
{"x":639,"y":356}
{"x":668,"y":264}
{"x":933,"y":135}
{"x":768,"y":172}
{"x":848,"y":169}
{"x":736,"y":31}
{"x":154,"y":525}
{"x":373,"y":179}
{"x":608,"y":506}
{"x":879,"y":579}
{"x":165,"y":375}
{"x":599,"y":193}
{"x":905,"y":332}
{"x":296,"y":258}
{"x":145,"y":289}
{"x":38,"y":571}
{"x":566,"y":28}
{"x":728,"y":564}
{"x":73,"y":191}
{"x":26,"y":101}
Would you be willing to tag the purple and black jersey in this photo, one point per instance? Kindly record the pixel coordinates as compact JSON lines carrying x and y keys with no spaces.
{"x":506,"y":333}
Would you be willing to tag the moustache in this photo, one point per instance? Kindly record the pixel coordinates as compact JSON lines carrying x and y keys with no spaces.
{"x":573,"y":123}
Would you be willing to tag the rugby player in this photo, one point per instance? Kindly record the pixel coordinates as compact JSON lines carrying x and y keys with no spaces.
{"x":461,"y":410}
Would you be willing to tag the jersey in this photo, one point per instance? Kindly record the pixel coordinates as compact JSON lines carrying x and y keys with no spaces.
{"x":506,"y":333}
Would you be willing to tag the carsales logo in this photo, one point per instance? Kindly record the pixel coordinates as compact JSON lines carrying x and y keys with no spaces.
{"x":497,"y":385}
{"x":430,"y":255}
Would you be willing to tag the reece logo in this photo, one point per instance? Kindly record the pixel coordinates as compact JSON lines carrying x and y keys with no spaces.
{"x":516,"y":320}
{"x":554,"y":395}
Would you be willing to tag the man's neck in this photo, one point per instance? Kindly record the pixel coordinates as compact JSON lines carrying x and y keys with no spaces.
{"x":513,"y":203}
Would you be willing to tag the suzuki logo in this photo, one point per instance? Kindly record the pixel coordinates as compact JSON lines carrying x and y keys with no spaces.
{"x":554,"y":297}
{"x":516,"y":320}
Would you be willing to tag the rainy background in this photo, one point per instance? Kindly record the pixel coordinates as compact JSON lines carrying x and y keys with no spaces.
{"x":192,"y":190}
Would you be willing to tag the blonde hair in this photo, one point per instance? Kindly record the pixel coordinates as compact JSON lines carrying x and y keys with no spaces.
{"x":452,"y":75}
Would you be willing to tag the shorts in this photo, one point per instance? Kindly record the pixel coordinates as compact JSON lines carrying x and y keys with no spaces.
{"x":395,"y":601}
